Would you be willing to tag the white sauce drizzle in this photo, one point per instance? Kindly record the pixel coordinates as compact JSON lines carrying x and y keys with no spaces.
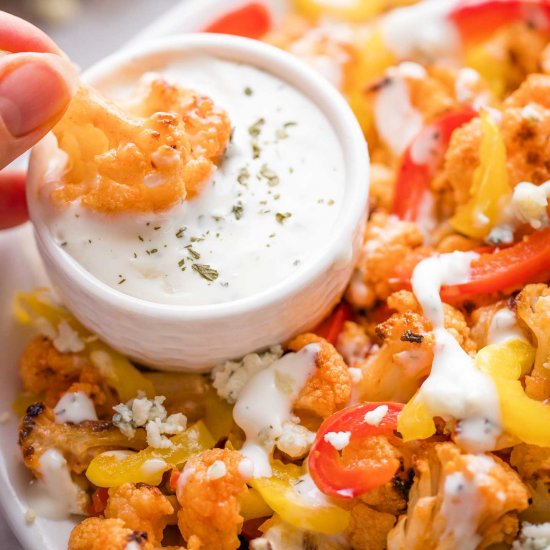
{"x":55,"y":495}
{"x":504,"y":327}
{"x":309,"y":492}
{"x":265,"y":403}
{"x":422,"y":31}
{"x":455,"y":388}
{"x":398,"y":122}
{"x":238,"y":225}
{"x":74,"y":407}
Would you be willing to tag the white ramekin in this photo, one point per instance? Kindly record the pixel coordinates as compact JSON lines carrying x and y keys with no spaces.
{"x":196,"y":337}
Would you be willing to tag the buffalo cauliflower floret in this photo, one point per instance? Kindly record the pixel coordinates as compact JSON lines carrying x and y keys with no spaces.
{"x":142,"y":161}
{"x":531,"y":461}
{"x":208,"y":492}
{"x":533,"y":308}
{"x":388,"y":241}
{"x":533,"y":537}
{"x":107,"y":534}
{"x":142,"y":508}
{"x":459,"y":501}
{"x":78,"y":443}
{"x":329,"y":389}
{"x":353,"y":343}
{"x":368,"y":528}
{"x":229,"y":378}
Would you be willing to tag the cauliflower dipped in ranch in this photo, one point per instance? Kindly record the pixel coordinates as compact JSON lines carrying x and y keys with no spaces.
{"x":192,"y":181}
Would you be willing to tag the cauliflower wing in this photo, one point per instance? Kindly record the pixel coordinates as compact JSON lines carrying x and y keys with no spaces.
{"x":459,"y":500}
{"x":142,"y":508}
{"x":79,"y":443}
{"x":208,"y":494}
{"x":141,"y":161}
{"x":368,"y":528}
{"x":388,"y":241}
{"x":533,"y":308}
{"x":531,"y":461}
{"x":329,"y":389}
{"x":103,"y":534}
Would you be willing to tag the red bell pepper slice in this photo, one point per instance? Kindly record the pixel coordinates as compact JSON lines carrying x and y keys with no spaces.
{"x":525,"y":262}
{"x":99,"y":501}
{"x":331,"y":327}
{"x":349,"y":479}
{"x":421,"y":161}
{"x":479,"y":19}
{"x":250,"y":21}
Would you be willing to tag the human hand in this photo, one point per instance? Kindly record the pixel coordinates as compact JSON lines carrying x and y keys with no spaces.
{"x":37,"y":82}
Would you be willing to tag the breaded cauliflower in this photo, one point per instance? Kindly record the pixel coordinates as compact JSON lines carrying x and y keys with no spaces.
{"x":141,"y":161}
{"x":531,"y":461}
{"x":329,"y":389}
{"x":107,"y":534}
{"x":368,"y":529}
{"x":459,"y":501}
{"x":394,"y":370}
{"x":142,"y":508}
{"x":208,"y":493}
{"x":533,"y":308}
{"x":388,"y":241}
{"x":78,"y":443}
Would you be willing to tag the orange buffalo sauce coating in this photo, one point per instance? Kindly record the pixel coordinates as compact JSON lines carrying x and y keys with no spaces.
{"x":146,"y":158}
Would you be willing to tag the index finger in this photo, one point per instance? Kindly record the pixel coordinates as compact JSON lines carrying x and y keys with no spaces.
{"x":18,"y":35}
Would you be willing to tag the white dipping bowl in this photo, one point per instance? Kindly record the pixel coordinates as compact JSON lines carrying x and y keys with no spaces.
{"x":194,"y":338}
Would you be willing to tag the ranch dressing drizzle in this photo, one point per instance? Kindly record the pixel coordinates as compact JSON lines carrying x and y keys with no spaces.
{"x":422,"y":31}
{"x":455,"y":388}
{"x":265,"y":403}
{"x":397,"y":120}
{"x":55,"y":495}
{"x":268,"y":209}
{"x":504,"y":327}
{"x":74,"y":407}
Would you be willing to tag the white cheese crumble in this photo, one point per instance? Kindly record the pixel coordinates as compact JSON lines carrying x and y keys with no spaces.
{"x":374,"y":417}
{"x":339,"y":440}
{"x":217,"y":470}
{"x":530,"y":203}
{"x":150,"y":414}
{"x":30,"y":516}
{"x":295,"y":440}
{"x":67,"y":339}
{"x":229,"y":378}
{"x":533,"y":537}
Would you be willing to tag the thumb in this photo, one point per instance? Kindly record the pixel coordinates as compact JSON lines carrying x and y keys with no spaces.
{"x":35,"y":91}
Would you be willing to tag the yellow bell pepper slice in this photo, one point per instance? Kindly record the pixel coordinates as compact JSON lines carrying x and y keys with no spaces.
{"x":149,"y":465}
{"x":490,"y":187}
{"x":373,"y":58}
{"x":253,"y":506}
{"x":494,"y":71}
{"x":346,"y":10}
{"x":34,"y":308}
{"x":522,"y":417}
{"x":415,"y":421}
{"x":296,"y":509}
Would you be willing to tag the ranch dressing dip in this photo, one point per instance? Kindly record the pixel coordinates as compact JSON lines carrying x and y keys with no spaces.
{"x":455,"y":388}
{"x":268,"y":209}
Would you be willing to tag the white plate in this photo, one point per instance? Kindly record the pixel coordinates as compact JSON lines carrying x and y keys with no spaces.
{"x":21,"y":269}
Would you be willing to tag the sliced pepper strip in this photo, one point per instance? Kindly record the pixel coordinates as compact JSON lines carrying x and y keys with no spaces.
{"x":350,"y":10}
{"x":331,"y":327}
{"x":330,"y":473}
{"x":250,"y":21}
{"x":421,"y":161}
{"x":108,"y":470}
{"x":522,"y":417}
{"x":415,"y":421}
{"x":490,"y":187}
{"x":118,"y":371}
{"x":525,"y":262}
{"x":477,"y":20}
{"x":299,"y":510}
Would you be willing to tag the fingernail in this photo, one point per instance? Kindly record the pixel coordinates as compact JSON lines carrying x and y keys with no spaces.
{"x":31,"y":94}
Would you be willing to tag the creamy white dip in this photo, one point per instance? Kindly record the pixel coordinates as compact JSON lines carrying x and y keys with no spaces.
{"x":268,"y":210}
